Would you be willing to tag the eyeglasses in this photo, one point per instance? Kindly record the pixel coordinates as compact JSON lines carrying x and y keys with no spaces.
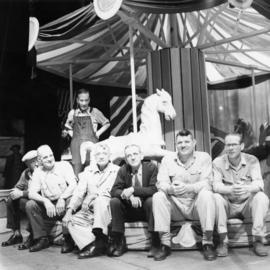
{"x":232,"y":145}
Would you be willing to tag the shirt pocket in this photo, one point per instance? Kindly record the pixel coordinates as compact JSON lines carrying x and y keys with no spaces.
{"x":246,"y":179}
{"x":195,"y":175}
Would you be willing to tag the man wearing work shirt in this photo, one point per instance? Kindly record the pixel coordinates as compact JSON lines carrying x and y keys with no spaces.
{"x":239,"y":193}
{"x":184,"y":193}
{"x":89,"y":226}
{"x":50,"y":190}
{"x":17,"y":200}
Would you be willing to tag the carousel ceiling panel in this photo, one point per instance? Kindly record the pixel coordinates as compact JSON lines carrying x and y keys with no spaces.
{"x":99,"y":50}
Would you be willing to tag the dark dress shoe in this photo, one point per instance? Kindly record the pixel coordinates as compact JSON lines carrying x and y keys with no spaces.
{"x":111,"y":248}
{"x":155,"y":245}
{"x":163,"y":252}
{"x":92,"y":251}
{"x":120,"y":248}
{"x":42,"y":243}
{"x":209,"y":252}
{"x":68,"y":244}
{"x":27,"y":244}
{"x":152,"y":252}
{"x":14,"y":239}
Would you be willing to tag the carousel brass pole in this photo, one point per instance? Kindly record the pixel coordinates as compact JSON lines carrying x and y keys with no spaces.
{"x":133,"y":84}
{"x":70,"y":87}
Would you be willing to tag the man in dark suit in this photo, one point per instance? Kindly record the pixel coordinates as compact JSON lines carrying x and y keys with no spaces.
{"x":132,"y":199}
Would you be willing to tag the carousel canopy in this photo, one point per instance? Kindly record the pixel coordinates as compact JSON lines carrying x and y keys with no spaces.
{"x":235,"y":41}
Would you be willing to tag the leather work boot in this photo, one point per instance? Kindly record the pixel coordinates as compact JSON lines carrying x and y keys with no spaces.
{"x":68,"y":244}
{"x":209,"y":252}
{"x":162,"y":253}
{"x":120,"y":247}
{"x":13,"y":239}
{"x":222,"y":249}
{"x":27,"y":244}
{"x":42,"y":243}
{"x":155,"y":245}
{"x":260,"y":249}
{"x":92,"y":251}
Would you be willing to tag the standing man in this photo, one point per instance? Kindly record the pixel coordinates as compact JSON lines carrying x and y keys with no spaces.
{"x":82,"y":124}
{"x":89,"y":226}
{"x":239,"y":193}
{"x":132,"y":198}
{"x":50,"y":190}
{"x":183,"y":183}
{"x":17,"y":200}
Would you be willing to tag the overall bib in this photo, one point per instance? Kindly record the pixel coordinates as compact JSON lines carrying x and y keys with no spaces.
{"x":82,"y":131}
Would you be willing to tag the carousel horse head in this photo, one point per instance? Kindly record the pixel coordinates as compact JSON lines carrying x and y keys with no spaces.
{"x":165,"y":105}
{"x":245,"y":129}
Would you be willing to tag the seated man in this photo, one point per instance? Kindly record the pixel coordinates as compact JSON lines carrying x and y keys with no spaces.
{"x":89,"y":226}
{"x":184,"y":184}
{"x":239,"y":193}
{"x":17,"y":200}
{"x":49,"y":192}
{"x":132,"y":198}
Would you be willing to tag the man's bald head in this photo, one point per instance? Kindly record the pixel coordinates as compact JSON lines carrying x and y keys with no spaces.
{"x":45,"y":157}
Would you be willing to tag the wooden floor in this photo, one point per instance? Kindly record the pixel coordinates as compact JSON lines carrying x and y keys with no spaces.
{"x":51,"y":259}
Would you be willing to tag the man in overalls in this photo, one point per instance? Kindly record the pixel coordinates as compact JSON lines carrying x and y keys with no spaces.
{"x":82,"y":124}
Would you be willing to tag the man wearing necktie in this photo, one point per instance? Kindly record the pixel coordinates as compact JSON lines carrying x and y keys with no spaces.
{"x":132,"y":199}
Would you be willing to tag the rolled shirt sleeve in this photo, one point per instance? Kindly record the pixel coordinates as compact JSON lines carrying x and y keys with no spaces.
{"x":79,"y":192}
{"x":69,"y":121}
{"x":163,"y":178}
{"x":99,"y":117}
{"x":70,"y":179}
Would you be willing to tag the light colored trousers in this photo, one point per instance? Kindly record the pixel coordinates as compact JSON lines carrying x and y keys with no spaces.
{"x":169,"y":208}
{"x":84,"y":222}
{"x":255,"y":207}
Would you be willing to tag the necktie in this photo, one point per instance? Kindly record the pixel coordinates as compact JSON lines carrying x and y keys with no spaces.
{"x":136,"y":181}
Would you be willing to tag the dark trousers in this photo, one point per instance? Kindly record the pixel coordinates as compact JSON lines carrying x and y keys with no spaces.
{"x":36,"y":213}
{"x":123,"y":211}
{"x":15,"y":209}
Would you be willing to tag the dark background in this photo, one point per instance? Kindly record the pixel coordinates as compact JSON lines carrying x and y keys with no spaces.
{"x":22,"y":97}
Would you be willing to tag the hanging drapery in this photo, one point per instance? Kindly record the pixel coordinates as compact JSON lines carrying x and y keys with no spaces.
{"x":69,"y":25}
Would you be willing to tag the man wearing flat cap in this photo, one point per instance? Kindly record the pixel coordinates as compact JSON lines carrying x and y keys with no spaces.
{"x":17,"y":200}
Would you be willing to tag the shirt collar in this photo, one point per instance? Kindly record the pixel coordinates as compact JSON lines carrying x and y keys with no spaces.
{"x":139,"y":171}
{"x":94,"y":168}
{"x":242,"y":163}
{"x":178,"y":161}
{"x":88,"y":111}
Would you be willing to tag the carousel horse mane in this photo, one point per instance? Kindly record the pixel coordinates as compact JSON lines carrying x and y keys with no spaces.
{"x":245,"y":129}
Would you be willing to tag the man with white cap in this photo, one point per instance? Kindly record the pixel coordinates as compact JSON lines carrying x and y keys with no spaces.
{"x":17,"y":200}
{"x":52,"y":185}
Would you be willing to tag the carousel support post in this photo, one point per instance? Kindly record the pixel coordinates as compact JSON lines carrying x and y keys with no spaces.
{"x":70,"y":87}
{"x":133,"y":85}
{"x":253,"y":98}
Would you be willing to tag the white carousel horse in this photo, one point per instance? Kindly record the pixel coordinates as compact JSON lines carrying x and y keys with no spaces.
{"x":149,"y":137}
